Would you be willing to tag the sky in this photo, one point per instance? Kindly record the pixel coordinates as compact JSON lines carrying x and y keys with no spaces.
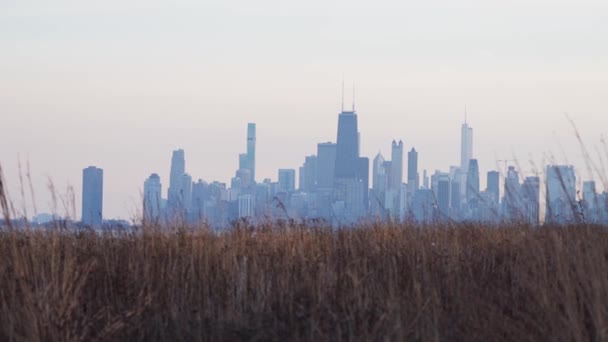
{"x":120,"y":84}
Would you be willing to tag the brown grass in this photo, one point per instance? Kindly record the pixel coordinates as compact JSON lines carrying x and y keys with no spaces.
{"x":377,"y":282}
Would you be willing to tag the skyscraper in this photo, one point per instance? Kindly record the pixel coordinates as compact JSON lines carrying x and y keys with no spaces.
{"x":513,"y":200}
{"x":562,"y":207}
{"x":178,"y":168}
{"x":92,"y":196}
{"x":308,"y":174}
{"x":351,"y":177}
{"x":185,"y":193}
{"x":531,"y":198}
{"x":287,"y":180}
{"x":466,"y":146}
{"x":152,"y":197}
{"x":493,"y":187}
{"x":397,"y":165}
{"x":472,"y":191}
{"x":413,"y":179}
{"x":326,"y":161}
{"x":347,"y":146}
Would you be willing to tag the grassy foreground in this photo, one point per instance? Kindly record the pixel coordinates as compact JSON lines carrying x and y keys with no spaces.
{"x":377,"y":282}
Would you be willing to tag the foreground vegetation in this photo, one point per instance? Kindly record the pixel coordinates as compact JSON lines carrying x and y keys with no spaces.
{"x":378,"y":282}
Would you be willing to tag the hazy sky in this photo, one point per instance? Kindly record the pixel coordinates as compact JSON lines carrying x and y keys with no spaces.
{"x":120,"y":84}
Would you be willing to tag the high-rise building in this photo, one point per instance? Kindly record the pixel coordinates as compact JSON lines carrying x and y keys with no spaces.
{"x":562,"y":207}
{"x":152,"y":197}
{"x":185,"y":193}
{"x":251,"y":140}
{"x":92,"y":196}
{"x":287,"y":180}
{"x":378,"y":173}
{"x":472,"y":191}
{"x":351,"y":172}
{"x":443,"y":196}
{"x":397,"y":165}
{"x":466,"y":146}
{"x":326,"y":161}
{"x":531,"y":200}
{"x":413,"y":179}
{"x":513,"y":199}
{"x":308,"y":174}
{"x":178,"y":168}
{"x":493,"y":185}
{"x":591,"y":203}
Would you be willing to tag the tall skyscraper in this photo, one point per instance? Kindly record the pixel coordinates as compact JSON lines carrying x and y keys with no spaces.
{"x":443,"y":196}
{"x":562,"y":207}
{"x":531,"y":198}
{"x":513,"y":200}
{"x":413,"y":179}
{"x":308,"y":174}
{"x":178,"y":168}
{"x":351,"y":177}
{"x":152,"y":197}
{"x":472,"y":191}
{"x":287,"y":180}
{"x":347,"y":146}
{"x":493,"y":185}
{"x":185,"y":193}
{"x":326,"y":161}
{"x":466,"y":146}
{"x":397,"y":165}
{"x":92,"y":196}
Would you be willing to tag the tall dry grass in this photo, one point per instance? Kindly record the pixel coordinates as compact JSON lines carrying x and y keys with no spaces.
{"x":378,"y":282}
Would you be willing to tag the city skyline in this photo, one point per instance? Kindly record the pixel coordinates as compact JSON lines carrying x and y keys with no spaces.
{"x":121,"y":84}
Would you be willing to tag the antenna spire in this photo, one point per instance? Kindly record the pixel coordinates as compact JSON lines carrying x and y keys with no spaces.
{"x":465,"y":114}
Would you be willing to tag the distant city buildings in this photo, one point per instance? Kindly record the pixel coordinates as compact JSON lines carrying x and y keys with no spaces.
{"x":92,"y":196}
{"x":334,"y":186}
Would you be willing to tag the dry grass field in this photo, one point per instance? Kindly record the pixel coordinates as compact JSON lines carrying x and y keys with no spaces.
{"x":278,"y":283}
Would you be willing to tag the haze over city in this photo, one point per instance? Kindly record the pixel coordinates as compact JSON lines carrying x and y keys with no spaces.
{"x":120,"y":85}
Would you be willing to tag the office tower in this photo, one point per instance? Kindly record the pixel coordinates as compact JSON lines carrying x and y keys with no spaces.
{"x":287,"y":180}
{"x":152,"y":197}
{"x":413,"y":179}
{"x":350,"y":194}
{"x":591,"y":202}
{"x":455,"y":200}
{"x":472,"y":190}
{"x":92,"y":196}
{"x":378,"y":173}
{"x":513,"y":200}
{"x":493,"y":187}
{"x":424,"y":206}
{"x":347,"y":146}
{"x":531,"y":200}
{"x":562,"y":207}
{"x":443,"y":196}
{"x":246,"y":206}
{"x":466,"y":146}
{"x":185,"y":193}
{"x":397,"y":165}
{"x":363,"y":175}
{"x":245,"y":178}
{"x":326,"y":161}
{"x":308,"y":174}
{"x":425,"y":179}
{"x":178,"y":168}
{"x":200,"y":195}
